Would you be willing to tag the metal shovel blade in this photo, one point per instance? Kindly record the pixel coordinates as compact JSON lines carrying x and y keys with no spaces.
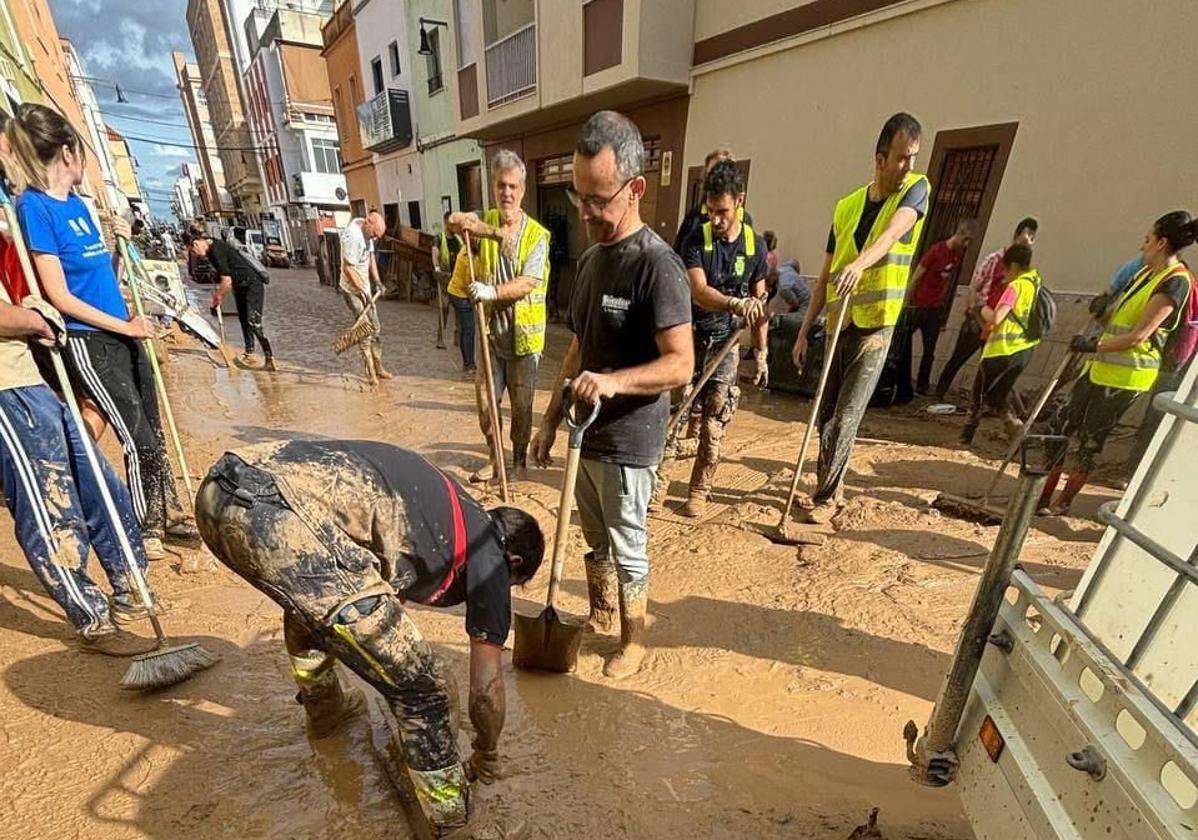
{"x":547,"y":642}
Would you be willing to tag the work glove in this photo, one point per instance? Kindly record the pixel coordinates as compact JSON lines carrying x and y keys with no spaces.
{"x":483,"y":766}
{"x":748,"y":309}
{"x":761,"y":368}
{"x":481,"y":292}
{"x":50,"y":315}
{"x":1084,"y":344}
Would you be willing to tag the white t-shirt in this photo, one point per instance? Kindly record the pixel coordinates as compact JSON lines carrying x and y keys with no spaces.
{"x":355,"y":253}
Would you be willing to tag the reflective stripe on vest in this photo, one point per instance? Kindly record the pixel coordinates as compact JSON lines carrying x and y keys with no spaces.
{"x":1136,"y":368}
{"x":1009,"y":336}
{"x":878,"y":298}
{"x":529,"y":312}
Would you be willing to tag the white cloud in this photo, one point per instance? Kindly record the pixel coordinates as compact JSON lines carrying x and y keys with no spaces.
{"x":171,"y":151}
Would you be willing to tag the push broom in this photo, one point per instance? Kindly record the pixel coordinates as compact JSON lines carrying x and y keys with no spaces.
{"x":168,"y":664}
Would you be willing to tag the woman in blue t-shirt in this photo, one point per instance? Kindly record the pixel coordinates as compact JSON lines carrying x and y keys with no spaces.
{"x":104,"y":353}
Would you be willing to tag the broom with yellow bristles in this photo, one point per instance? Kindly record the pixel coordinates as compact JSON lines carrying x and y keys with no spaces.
{"x":359,"y":332}
{"x":167,"y":664}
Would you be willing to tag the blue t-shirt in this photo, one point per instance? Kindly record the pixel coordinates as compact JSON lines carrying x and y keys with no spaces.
{"x":65,"y":229}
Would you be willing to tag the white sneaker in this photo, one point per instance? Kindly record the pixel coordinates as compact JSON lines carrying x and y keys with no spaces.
{"x":154,"y":549}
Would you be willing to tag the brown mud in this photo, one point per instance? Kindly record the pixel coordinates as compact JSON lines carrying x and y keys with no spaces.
{"x":771,"y":703}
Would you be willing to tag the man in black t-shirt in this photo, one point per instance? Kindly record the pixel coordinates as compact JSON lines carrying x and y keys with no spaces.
{"x":726,"y":264}
{"x":630,"y":313}
{"x":249,"y":289}
{"x":340,"y":534}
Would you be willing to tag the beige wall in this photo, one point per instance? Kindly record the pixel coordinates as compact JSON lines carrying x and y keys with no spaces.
{"x":559,"y":51}
{"x":715,"y":16}
{"x":1106,"y":138}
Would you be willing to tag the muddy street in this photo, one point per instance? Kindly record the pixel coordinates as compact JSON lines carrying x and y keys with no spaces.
{"x":771,"y":704}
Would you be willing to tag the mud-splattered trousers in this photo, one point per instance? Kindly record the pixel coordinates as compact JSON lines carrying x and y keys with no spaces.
{"x":518,"y":376}
{"x":117,"y":376}
{"x":852,"y":378}
{"x":716,"y":403}
{"x":57,"y":508}
{"x":250,"y":297}
{"x":336,"y":600}
{"x":1089,"y":417}
{"x":613,"y":509}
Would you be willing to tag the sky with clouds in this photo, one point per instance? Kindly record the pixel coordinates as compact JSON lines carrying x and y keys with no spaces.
{"x":129,"y":42}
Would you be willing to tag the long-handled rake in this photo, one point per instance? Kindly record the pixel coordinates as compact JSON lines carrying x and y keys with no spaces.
{"x":168,"y":664}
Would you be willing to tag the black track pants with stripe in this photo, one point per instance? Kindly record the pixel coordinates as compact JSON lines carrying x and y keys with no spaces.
{"x":117,"y":376}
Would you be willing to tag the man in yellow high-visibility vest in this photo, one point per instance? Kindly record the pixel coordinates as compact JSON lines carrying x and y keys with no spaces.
{"x":875,"y":231}
{"x":511,"y":270}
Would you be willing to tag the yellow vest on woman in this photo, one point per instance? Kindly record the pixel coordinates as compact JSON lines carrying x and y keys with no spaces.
{"x":878,"y":299}
{"x":1009,"y":336}
{"x":1136,"y":368}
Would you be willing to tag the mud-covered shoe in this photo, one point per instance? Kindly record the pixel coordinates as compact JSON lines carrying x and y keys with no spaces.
{"x":484,"y":475}
{"x":126,"y":609}
{"x":695,"y":506}
{"x":634,"y":605}
{"x":112,"y":641}
{"x":328,"y":706}
{"x":603,"y":588}
{"x":269,"y":364}
{"x":822,"y":512}
{"x":153,"y":547}
{"x":183,"y":531}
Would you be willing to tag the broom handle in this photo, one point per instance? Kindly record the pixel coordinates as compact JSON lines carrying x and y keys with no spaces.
{"x":1027,"y":424}
{"x":815,"y":404}
{"x":93,"y":461}
{"x":131,"y":276}
{"x":480,"y":315}
{"x":708,"y":372}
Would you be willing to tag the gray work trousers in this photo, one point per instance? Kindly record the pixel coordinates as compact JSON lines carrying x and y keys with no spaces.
{"x":613,"y":508}
{"x":856,"y":366}
{"x":517,"y":376}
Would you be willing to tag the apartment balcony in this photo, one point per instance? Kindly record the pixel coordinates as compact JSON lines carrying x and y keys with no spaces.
{"x":565,"y":60}
{"x":385,"y":121}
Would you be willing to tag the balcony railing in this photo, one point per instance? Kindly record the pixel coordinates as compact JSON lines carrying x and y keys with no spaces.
{"x":512,"y":66}
{"x":385,"y":121}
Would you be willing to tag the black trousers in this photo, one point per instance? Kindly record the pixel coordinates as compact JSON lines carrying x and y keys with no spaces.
{"x":334,"y":599}
{"x":993,"y":384}
{"x":117,"y":376}
{"x":969,"y":341}
{"x":1090,"y":417}
{"x":250,"y":298}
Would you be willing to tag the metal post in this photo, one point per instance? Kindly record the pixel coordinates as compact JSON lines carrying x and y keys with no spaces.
{"x":932,"y":758}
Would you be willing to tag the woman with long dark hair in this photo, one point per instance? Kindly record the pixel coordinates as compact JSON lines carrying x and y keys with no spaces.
{"x":1127,"y":356}
{"x":104,"y":352}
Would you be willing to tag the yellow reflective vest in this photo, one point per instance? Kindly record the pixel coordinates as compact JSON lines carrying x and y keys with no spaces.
{"x":878,"y":299}
{"x":1136,"y":368}
{"x":528,"y":312}
{"x":1009,"y":335}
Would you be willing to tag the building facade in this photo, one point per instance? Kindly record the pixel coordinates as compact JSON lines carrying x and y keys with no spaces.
{"x":36,"y":30}
{"x":215,"y":201}
{"x":343,"y":65}
{"x":17,"y":75}
{"x":124,"y":168}
{"x":291,"y":116}
{"x":530,"y":72}
{"x":186,"y":201}
{"x":1013,"y":125}
{"x":97,"y":132}
{"x":209,"y":24}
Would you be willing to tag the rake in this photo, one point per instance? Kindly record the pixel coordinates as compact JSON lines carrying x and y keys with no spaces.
{"x":359,"y":332}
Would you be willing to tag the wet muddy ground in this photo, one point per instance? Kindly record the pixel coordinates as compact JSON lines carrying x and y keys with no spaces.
{"x":771,"y":705}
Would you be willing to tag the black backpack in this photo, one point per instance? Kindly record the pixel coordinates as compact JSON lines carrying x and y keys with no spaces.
{"x":1043,"y":314}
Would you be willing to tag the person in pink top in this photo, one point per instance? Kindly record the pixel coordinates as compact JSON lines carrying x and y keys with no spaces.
{"x":984,"y":289}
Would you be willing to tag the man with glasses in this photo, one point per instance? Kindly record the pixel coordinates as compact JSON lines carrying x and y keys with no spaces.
{"x":511,"y":269}
{"x":630,"y":313}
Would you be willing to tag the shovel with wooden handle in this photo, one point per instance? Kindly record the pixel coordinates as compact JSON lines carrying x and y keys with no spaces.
{"x":480,"y":315}
{"x":546,"y":642}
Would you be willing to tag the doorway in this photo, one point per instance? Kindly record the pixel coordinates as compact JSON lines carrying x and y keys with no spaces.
{"x":470,"y":186}
{"x":966,"y":170}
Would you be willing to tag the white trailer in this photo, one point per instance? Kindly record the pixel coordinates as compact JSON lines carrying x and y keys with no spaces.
{"x":1074,"y":717}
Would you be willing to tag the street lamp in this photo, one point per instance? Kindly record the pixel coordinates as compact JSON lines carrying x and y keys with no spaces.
{"x":425,"y":48}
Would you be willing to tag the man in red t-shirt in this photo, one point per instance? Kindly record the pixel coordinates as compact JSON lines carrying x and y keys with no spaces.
{"x":932,"y":282}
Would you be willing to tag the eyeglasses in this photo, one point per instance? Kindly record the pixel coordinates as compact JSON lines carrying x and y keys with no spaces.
{"x":595,"y":202}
